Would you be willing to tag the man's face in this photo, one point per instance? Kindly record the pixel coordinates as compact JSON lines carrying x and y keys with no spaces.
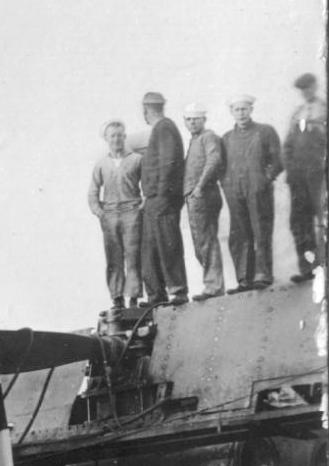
{"x":146,"y":114}
{"x":195,"y":124}
{"x":115,"y":136}
{"x":309,"y":93}
{"x":241,"y":112}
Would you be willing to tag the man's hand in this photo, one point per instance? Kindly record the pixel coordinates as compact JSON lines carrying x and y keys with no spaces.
{"x":141,"y":205}
{"x":100,"y":214}
{"x":197,"y":192}
{"x":269,"y":172}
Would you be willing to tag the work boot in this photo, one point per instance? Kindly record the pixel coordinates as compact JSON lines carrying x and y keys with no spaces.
{"x":243,"y":286}
{"x":303,"y":277}
{"x":204,"y":295}
{"x":261,"y":284}
{"x":118,"y":303}
{"x":154,"y":301}
{"x":178,"y":299}
{"x":133,"y":302}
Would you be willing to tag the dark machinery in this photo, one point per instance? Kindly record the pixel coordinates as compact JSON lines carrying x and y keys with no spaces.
{"x":233,"y":381}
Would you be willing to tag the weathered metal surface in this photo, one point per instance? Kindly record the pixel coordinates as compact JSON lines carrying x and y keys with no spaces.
{"x":107,"y":446}
{"x":56,"y":407}
{"x":218,"y":350}
{"x":223,"y":352}
{"x":297,"y":452}
{"x":291,"y":452}
{"x":27,"y":350}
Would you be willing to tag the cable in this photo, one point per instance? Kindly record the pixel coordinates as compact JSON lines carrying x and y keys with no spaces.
{"x":135,"y":328}
{"x":21,"y":362}
{"x":37,"y":408}
{"x":216,"y":408}
{"x":210,"y":410}
{"x":231,"y":454}
{"x":122,"y":435}
{"x":106,"y":370}
{"x":142,"y":413}
{"x":205,"y":410}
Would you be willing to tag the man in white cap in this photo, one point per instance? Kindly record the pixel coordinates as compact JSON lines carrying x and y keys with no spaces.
{"x":204,"y":164}
{"x":253,"y":163}
{"x":304,"y":158}
{"x":119,"y":174}
{"x":163,"y":265}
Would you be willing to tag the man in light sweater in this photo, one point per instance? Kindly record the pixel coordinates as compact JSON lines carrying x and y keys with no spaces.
{"x":204,"y":164}
{"x":119,"y":174}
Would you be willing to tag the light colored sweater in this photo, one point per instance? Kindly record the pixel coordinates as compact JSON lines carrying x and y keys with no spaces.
{"x":120,"y":183}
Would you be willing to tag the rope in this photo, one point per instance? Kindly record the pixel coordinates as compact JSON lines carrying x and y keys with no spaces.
{"x":106,"y":369}
{"x":21,"y":362}
{"x":38,"y":406}
{"x":135,"y":328}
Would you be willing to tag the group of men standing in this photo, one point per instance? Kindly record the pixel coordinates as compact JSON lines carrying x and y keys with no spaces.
{"x":142,"y":237}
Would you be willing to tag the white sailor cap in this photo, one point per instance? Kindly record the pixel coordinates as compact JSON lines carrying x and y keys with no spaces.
{"x":249,"y":99}
{"x":195,"y":110}
{"x":112,"y":122}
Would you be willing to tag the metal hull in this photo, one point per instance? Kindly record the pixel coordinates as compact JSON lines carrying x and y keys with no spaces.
{"x":226,"y":354}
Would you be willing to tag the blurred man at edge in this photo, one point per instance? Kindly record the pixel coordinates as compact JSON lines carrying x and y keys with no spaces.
{"x":304,"y":160}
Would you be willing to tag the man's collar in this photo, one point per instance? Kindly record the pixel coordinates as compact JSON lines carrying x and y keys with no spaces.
{"x":196,"y":135}
{"x":248,"y":125}
{"x":156,"y":121}
{"x":124,"y":154}
{"x":312,"y":101}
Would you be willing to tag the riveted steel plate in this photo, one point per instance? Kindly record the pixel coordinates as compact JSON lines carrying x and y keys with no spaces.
{"x":217,"y":350}
{"x":56,"y":407}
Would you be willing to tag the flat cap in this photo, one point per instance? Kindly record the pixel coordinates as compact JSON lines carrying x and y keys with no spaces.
{"x":305,"y":80}
{"x":249,"y":99}
{"x":112,"y":122}
{"x":195,"y":110}
{"x":153,"y":98}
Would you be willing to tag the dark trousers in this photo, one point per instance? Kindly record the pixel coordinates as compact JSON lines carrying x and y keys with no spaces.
{"x":163,"y":267}
{"x":251,"y":232}
{"x":203,"y":213}
{"x":305,"y":214}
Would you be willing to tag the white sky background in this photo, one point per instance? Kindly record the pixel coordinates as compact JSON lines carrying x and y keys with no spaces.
{"x":68,"y":65}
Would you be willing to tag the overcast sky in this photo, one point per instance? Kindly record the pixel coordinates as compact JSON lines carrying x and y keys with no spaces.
{"x":66,"y":66}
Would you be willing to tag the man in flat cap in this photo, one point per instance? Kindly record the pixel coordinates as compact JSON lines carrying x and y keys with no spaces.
{"x":204,"y":164}
{"x":304,"y":158}
{"x":119,"y":174}
{"x":253,"y":162}
{"x":163,"y":265}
